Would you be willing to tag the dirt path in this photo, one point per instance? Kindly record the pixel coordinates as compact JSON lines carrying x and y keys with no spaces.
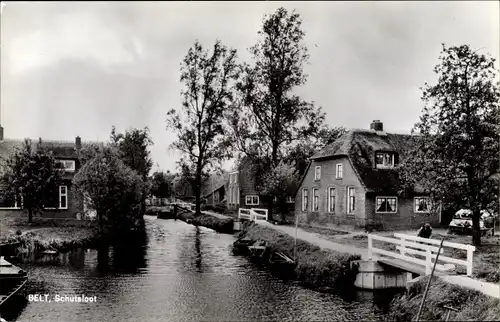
{"x":315,"y":239}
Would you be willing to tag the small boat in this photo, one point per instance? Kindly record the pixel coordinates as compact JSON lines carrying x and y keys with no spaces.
{"x":241,"y":245}
{"x":258,"y":251}
{"x":12,"y":280}
{"x":282,"y":264}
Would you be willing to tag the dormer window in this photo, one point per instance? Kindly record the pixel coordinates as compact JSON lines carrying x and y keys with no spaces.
{"x":384,"y":160}
{"x":66,"y":165}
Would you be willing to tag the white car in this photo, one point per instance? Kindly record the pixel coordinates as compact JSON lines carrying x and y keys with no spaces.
{"x":462,"y":221}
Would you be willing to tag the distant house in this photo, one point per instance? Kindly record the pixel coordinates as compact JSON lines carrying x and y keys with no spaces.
{"x":241,"y":188}
{"x":214,"y":188}
{"x":355,"y":181}
{"x":60,"y":203}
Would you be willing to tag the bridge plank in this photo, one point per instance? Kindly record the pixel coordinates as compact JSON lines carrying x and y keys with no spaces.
{"x":407,"y":266}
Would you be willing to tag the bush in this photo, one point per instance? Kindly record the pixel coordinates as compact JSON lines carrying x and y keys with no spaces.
{"x":472,"y":305}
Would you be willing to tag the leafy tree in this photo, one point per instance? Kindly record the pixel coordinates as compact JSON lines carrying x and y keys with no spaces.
{"x":281,"y":182}
{"x":207,"y":94}
{"x":111,"y":188}
{"x":268,"y":120}
{"x":133,"y":149}
{"x":271,"y":116}
{"x":29,"y":175}
{"x":161,"y":184}
{"x":457,"y":157}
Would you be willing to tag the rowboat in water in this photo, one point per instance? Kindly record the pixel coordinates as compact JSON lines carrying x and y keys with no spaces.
{"x":12,"y":280}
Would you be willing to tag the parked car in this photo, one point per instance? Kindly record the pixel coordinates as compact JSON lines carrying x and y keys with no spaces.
{"x":462,"y":221}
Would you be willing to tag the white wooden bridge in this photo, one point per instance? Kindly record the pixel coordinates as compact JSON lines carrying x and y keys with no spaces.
{"x":253,"y":214}
{"x":417,"y":255}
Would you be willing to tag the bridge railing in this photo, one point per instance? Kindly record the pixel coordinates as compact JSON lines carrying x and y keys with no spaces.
{"x":252,"y":214}
{"x":259,"y":214}
{"x":410,"y":245}
{"x":244,"y":213}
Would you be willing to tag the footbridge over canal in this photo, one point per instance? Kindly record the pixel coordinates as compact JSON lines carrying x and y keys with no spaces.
{"x":393,"y":262}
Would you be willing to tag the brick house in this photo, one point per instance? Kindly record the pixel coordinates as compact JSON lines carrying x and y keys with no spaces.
{"x":241,"y":190}
{"x":355,"y":182}
{"x":60,"y":203}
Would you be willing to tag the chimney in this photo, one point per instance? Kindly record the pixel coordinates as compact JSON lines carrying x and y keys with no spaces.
{"x":78,"y":143}
{"x":377,"y":126}
{"x":1,"y":133}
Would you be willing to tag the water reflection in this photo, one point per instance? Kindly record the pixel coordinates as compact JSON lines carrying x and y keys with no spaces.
{"x":180,"y":273}
{"x":197,"y":247}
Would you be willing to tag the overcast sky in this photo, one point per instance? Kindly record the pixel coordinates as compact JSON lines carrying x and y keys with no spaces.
{"x":78,"y":68}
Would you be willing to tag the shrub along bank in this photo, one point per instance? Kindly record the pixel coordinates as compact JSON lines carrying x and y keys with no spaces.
{"x":323,"y":270}
{"x":472,"y":305}
{"x":58,"y":239}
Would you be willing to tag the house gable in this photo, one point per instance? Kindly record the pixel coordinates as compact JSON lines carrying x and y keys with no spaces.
{"x":329,"y":179}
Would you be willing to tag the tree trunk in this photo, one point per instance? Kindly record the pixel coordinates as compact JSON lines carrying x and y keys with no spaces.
{"x":30,"y":215}
{"x":476,"y":228}
{"x":197,"y":193}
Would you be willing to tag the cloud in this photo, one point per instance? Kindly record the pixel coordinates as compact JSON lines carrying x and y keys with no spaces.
{"x":80,"y":36}
{"x":76,"y":68}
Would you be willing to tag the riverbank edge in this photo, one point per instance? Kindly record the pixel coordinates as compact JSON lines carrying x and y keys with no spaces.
{"x":317,"y":269}
{"x":220,"y":225}
{"x":34,"y":242}
{"x":472,"y":305}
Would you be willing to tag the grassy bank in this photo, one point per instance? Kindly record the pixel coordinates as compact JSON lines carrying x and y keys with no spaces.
{"x":316,"y":268}
{"x":472,"y":305}
{"x":221,"y":225}
{"x":46,"y":234}
{"x":60,"y":239}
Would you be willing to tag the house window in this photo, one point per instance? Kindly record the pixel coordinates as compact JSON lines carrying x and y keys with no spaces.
{"x":305,"y":199}
{"x":384,"y":160}
{"x":66,"y":165}
{"x":252,"y":200}
{"x":422,"y":204}
{"x":386,"y":204}
{"x":290,"y":200}
{"x":63,"y":197}
{"x":331,"y":199}
{"x":351,"y":200}
{"x":7,"y":202}
{"x":56,"y":199}
{"x":315,"y":205}
{"x":317,"y":173}
{"x":233,"y":177}
{"x":339,"y":171}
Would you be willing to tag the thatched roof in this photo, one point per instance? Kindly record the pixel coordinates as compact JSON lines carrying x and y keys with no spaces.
{"x":60,"y":149}
{"x":360,"y":147}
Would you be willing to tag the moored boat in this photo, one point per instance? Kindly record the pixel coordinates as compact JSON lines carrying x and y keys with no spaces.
{"x":282,"y":264}
{"x":12,"y":280}
{"x":241,"y":245}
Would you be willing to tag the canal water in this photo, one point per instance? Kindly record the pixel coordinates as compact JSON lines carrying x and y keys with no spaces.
{"x":180,"y":273}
